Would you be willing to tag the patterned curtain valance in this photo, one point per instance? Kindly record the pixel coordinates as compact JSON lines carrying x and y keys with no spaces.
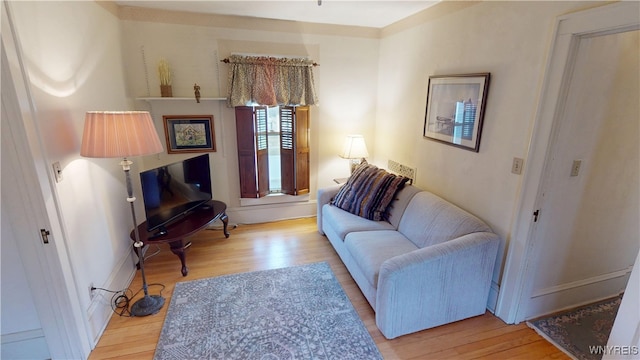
{"x":270,"y":81}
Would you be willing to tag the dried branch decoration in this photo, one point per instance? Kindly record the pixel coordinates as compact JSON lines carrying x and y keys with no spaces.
{"x":164,"y":73}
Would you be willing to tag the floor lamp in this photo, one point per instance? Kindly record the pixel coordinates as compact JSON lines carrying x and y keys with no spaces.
{"x":124,"y":134}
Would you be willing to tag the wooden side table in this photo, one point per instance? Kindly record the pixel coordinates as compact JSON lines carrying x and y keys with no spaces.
{"x":340,"y":180}
{"x":188,"y":225}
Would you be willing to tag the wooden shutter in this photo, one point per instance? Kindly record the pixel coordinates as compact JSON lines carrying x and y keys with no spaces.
{"x":262,"y":149}
{"x":302,"y":149}
{"x":287,"y":154}
{"x":294,"y":149}
{"x":253,"y":160}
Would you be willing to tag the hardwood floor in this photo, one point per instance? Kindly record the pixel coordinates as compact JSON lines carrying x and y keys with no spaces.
{"x":296,"y":242}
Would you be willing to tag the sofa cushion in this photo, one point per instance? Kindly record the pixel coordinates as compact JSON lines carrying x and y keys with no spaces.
{"x":344,"y":222}
{"x":430,"y":220}
{"x":369,"y":249}
{"x":368,"y":192}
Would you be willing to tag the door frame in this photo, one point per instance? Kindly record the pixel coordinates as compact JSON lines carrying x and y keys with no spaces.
{"x":518,"y":274}
{"x":47,"y":266}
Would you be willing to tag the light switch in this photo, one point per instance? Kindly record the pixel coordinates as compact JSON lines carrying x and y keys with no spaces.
{"x":575,"y":167}
{"x":516,"y":167}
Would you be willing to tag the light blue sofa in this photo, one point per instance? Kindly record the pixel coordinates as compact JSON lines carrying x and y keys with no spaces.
{"x":430,"y":264}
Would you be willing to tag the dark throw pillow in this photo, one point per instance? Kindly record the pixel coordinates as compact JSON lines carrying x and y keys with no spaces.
{"x":368,"y":192}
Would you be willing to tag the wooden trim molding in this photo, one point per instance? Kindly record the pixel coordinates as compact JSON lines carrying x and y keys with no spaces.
{"x":134,"y":13}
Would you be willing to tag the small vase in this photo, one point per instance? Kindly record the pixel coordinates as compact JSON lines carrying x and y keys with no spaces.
{"x":165,"y":91}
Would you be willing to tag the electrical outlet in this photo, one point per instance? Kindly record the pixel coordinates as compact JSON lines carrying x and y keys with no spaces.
{"x":92,"y":291}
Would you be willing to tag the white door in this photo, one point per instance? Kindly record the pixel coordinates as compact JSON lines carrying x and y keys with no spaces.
{"x":587,"y":235}
{"x":579,"y":247}
{"x":22,"y":333}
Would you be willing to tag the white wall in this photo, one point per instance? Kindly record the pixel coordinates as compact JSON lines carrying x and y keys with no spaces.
{"x":71,"y":52}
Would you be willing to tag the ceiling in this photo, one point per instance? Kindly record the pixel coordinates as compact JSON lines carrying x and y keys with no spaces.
{"x":369,"y":13}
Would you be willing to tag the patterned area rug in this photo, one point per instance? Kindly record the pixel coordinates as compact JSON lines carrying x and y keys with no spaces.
{"x":298,"y":312}
{"x":581,"y":331}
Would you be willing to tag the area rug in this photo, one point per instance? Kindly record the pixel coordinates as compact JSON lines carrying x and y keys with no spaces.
{"x":298,"y":312}
{"x":581,"y":332}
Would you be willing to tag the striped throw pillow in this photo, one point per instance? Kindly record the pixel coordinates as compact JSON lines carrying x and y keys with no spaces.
{"x":368,"y":192}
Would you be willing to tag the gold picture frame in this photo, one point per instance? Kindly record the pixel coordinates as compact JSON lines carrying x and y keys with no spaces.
{"x":189,"y":133}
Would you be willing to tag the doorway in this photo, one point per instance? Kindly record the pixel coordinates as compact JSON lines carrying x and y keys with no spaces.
{"x":549,"y":264}
{"x":587,"y":235}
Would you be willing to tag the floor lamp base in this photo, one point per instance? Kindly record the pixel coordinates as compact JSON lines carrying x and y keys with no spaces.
{"x":148,"y":305}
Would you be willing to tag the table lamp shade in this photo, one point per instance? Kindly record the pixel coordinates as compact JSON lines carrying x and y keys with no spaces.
{"x":354,"y":147}
{"x":119,"y":134}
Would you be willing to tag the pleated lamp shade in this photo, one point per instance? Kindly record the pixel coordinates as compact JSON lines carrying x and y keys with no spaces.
{"x":119,"y":134}
{"x":354,"y":147}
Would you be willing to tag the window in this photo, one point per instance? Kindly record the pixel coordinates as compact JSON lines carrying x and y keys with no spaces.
{"x":256,"y":158}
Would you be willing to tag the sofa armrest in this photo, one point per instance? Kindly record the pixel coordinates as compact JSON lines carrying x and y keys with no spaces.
{"x":435,"y":285}
{"x":324,"y":197}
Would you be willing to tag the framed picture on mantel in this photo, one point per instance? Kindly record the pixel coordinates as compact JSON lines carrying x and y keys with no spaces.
{"x":455,"y":109}
{"x":189,"y":133}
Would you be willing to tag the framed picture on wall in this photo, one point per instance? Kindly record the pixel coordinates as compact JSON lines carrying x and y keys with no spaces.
{"x":455,"y":109}
{"x":189,"y":133}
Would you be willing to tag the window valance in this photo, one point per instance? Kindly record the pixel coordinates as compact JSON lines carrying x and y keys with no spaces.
{"x":270,"y":81}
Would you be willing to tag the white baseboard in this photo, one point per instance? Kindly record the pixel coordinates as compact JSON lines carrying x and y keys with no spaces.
{"x":577,"y":293}
{"x":273,"y":212}
{"x":100,"y":309}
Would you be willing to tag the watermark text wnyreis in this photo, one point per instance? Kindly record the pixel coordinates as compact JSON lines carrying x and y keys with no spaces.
{"x":615,"y":350}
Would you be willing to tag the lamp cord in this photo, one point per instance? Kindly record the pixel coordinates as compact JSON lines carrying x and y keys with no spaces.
{"x":156,"y":252}
{"x":121,"y":299}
